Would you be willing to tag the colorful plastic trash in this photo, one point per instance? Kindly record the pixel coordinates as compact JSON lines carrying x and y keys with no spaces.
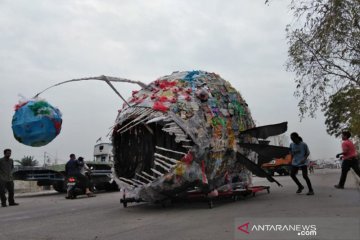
{"x":36,"y":123}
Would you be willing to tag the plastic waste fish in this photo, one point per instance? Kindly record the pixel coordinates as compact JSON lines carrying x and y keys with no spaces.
{"x":188,"y":130}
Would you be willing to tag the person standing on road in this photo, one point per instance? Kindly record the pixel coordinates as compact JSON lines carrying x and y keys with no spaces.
{"x":6,"y":179}
{"x":300,"y":153}
{"x":349,"y":157}
{"x":311,"y":167}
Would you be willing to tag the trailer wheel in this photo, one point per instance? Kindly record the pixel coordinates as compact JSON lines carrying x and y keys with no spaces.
{"x":59,"y":186}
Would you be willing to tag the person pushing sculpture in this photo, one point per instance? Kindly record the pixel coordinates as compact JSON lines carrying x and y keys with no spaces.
{"x":300,"y":153}
{"x":349,"y":157}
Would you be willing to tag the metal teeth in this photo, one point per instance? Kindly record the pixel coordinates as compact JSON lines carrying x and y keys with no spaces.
{"x":186,"y":146}
{"x":145,"y":116}
{"x":173,"y":130}
{"x":157,"y":119}
{"x":181,"y":135}
{"x":157,"y":163}
{"x":156,"y":172}
{"x":166,"y":158}
{"x":127,"y":113}
{"x":185,"y":140}
{"x":148,"y":175}
{"x":129,"y":181}
{"x":138,"y":181}
{"x":127,"y":184}
{"x":170,"y":124}
{"x":127,"y":117}
{"x":141,"y":115}
{"x":169,"y":150}
{"x":143,"y":177}
{"x":164,"y":163}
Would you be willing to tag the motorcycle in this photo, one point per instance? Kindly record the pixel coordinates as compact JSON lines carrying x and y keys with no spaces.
{"x":76,"y":186}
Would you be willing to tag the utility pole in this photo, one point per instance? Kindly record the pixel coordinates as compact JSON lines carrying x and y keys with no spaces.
{"x":44,"y":159}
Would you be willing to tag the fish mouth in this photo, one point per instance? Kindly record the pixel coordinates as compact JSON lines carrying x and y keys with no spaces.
{"x":147,"y":144}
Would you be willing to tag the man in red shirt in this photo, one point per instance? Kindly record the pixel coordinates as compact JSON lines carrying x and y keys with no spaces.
{"x":349,"y":157}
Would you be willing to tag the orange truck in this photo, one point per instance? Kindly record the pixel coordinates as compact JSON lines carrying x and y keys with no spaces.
{"x":281,"y":166}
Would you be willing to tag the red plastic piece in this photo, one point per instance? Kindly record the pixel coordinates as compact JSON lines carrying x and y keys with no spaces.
{"x":166,"y":84}
{"x":159,"y":106}
{"x":187,"y":158}
{"x":134,"y":92}
{"x":163,"y":99}
{"x":18,"y":106}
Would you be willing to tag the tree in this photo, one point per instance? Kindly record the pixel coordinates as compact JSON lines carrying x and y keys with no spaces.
{"x":28,"y":161}
{"x":342,"y":112}
{"x":324,"y":50}
{"x":324,"y":53}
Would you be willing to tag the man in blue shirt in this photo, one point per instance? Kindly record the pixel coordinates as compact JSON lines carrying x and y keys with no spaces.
{"x":300,"y":153}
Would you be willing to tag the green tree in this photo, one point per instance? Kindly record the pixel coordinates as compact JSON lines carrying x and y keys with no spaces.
{"x":324,"y":50}
{"x":324,"y":54}
{"x":343,"y":112}
{"x":28,"y":161}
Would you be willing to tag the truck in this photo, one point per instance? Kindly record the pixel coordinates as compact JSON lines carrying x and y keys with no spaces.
{"x":54,"y":175}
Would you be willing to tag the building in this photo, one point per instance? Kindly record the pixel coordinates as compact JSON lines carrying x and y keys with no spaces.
{"x":103,"y":153}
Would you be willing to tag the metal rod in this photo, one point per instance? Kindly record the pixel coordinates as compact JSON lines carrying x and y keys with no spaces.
{"x":116,"y":91}
{"x":138,"y":181}
{"x":146,"y":179}
{"x":128,"y":184}
{"x":156,"y":172}
{"x":161,"y":165}
{"x":101,"y":78}
{"x":166,"y":158}
{"x":141,"y":115}
{"x":168,"y":150}
{"x":129,"y":181}
{"x":165,"y":163}
{"x":157,"y":119}
{"x":132,"y":126}
{"x":148,"y":175}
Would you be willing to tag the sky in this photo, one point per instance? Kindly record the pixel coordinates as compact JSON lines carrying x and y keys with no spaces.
{"x":46,"y":42}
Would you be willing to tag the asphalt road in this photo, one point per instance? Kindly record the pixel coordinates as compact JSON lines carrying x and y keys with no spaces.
{"x":48,"y":216}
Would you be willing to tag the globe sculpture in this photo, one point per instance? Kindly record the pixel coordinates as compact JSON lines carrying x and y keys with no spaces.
{"x":36,"y":123}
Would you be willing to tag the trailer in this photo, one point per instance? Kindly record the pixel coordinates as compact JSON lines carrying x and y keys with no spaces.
{"x":101,"y":176}
{"x":197,"y":195}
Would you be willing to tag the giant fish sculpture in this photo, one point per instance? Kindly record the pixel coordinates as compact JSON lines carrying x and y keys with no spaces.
{"x":188,"y":130}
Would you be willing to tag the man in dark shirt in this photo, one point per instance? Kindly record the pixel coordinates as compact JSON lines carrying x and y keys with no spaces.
{"x":6,"y":179}
{"x":73,"y":168}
